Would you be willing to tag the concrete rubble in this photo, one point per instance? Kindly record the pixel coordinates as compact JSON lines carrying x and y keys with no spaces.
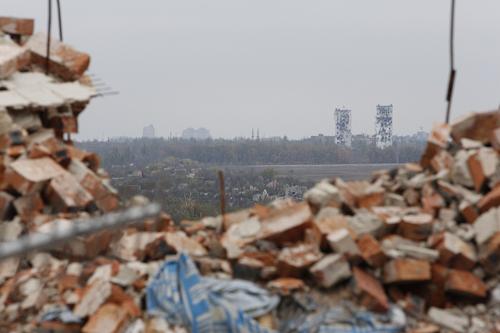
{"x":424,"y":238}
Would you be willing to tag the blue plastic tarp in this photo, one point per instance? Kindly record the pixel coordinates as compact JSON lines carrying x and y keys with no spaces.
{"x":206,"y":305}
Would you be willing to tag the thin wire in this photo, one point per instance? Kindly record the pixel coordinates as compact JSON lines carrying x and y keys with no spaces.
{"x":60,"y":20}
{"x":451,"y":80}
{"x":49,"y":29}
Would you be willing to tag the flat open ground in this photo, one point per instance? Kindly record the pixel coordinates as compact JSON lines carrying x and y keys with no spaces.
{"x":318,"y":172}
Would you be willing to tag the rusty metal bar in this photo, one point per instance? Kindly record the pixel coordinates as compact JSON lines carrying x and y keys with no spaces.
{"x":80,"y":227}
{"x":453,"y":72}
{"x":222,"y":193}
{"x":49,"y":30}
{"x":60,"y":20}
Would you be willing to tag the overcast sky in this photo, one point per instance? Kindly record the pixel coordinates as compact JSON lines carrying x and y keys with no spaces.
{"x":278,"y":65}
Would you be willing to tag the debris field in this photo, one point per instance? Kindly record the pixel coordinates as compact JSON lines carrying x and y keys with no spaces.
{"x":415,"y":249}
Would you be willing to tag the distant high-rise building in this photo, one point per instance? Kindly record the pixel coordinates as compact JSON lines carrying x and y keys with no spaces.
{"x":343,"y":135}
{"x":196,"y":133}
{"x":148,"y":132}
{"x":383,"y":126}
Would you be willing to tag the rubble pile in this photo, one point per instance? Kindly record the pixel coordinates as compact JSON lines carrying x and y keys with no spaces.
{"x":414,"y":249}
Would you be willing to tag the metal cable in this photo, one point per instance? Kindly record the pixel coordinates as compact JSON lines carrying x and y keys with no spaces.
{"x":60,"y":20}
{"x":61,"y":234}
{"x":451,"y":80}
{"x":49,"y":29}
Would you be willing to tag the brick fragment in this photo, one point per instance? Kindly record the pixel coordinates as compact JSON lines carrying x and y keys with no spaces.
{"x":65,"y":193}
{"x":330,"y":270}
{"x":286,"y":285}
{"x":181,"y":243}
{"x":456,"y":253}
{"x":12,"y":59}
{"x":437,"y":141}
{"x":460,"y":173}
{"x":30,"y":175}
{"x":371,"y":292}
{"x":109,"y":318}
{"x":407,"y":270}
{"x":416,"y":227}
{"x":468,"y":211}
{"x":371,"y":250}
{"x":294,"y":261}
{"x":476,"y":126}
{"x":492,"y":199}
{"x":94,"y":295}
{"x":490,"y":254}
{"x":495,"y":139}
{"x":65,"y":62}
{"x":342,"y":242}
{"x":17,"y":26}
{"x":105,"y":199}
{"x":487,"y":225}
{"x":465,"y":283}
{"x":476,"y":172}
{"x":330,"y":224}
{"x":322,"y":195}
{"x":29,"y":206}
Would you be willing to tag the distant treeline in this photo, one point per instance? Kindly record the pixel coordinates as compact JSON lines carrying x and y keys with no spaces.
{"x":143,"y":151}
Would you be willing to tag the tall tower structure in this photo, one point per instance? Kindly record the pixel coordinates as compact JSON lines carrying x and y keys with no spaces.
{"x":383,"y":126}
{"x":343,"y":134}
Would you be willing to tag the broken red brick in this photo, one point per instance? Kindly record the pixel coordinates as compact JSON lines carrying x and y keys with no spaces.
{"x":495,"y":139}
{"x":492,"y":199}
{"x":328,"y":225}
{"x":371,"y":251}
{"x":286,"y":286}
{"x":476,"y":126}
{"x":330,"y":270}
{"x":17,"y":26}
{"x":468,"y":211}
{"x":13,"y":59}
{"x":66,"y":194}
{"x":465,"y":283}
{"x":476,"y":172}
{"x":65,"y":62}
{"x":108,"y":318}
{"x":29,"y":206}
{"x":407,"y":270}
{"x":371,"y":292}
{"x":294,"y":261}
{"x":416,"y":227}
{"x":490,"y":254}
{"x":28,"y":175}
{"x":454,"y":252}
{"x":437,"y":141}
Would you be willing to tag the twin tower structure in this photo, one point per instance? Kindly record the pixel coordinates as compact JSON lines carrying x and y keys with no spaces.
{"x":383,"y":126}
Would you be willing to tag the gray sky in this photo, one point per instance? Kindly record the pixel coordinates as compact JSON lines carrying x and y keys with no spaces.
{"x":278,"y":65}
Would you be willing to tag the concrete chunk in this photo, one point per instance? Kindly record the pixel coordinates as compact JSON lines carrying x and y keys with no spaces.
{"x":487,"y":225}
{"x":444,"y":318}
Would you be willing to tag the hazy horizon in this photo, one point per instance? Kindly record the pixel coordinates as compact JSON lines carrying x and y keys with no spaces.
{"x":281,"y":66}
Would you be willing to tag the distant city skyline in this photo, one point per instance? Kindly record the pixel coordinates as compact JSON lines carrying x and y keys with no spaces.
{"x":281,"y":66}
